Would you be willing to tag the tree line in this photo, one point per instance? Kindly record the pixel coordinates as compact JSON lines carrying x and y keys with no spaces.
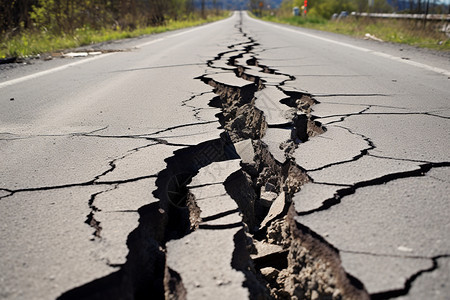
{"x":65,"y":16}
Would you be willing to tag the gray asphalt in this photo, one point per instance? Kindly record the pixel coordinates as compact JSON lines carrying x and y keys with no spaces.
{"x":84,"y":139}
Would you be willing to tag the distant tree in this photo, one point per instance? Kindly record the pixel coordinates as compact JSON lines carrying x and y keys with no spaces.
{"x":361,"y":5}
{"x":67,"y":15}
{"x":326,"y":8}
{"x":15,"y":15}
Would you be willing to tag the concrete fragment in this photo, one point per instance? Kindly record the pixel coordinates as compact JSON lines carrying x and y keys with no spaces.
{"x":274,"y":139}
{"x":264,"y":249}
{"x":269,"y":273}
{"x":203,"y":260}
{"x":336,"y":145}
{"x":266,"y":198}
{"x":245,"y":150}
{"x":268,"y":101}
{"x":216,"y":172}
{"x":313,"y":195}
{"x":276,"y":209}
{"x":229,"y":79}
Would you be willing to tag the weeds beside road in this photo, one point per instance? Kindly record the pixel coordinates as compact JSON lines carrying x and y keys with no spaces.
{"x":410,"y":32}
{"x":31,"y":42}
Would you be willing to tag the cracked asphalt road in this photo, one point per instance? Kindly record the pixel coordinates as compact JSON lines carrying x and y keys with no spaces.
{"x":95,"y":152}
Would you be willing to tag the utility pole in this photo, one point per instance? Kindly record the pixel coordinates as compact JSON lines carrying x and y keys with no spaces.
{"x":426,"y":13}
{"x":203,"y":8}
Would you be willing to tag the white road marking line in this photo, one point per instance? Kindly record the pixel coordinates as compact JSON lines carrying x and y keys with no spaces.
{"x":149,"y":43}
{"x":80,"y":62}
{"x":50,"y":71}
{"x":388,"y":56}
{"x":181,"y":33}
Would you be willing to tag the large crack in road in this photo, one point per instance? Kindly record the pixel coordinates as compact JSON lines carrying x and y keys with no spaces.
{"x":283,"y":260}
{"x":228,"y":220}
{"x":258,"y":191}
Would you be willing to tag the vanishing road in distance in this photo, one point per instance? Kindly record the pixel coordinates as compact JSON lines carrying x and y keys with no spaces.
{"x":236,"y":160}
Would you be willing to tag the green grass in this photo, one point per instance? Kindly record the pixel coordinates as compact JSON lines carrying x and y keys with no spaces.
{"x":32,"y":43}
{"x":397,"y":31}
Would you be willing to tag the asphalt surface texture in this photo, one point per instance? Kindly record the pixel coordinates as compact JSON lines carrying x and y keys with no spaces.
{"x":156,"y":168}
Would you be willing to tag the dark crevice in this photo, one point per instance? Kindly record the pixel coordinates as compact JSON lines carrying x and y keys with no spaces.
{"x":107,"y":287}
{"x":364,"y":104}
{"x":71,"y":185}
{"x":112,"y":163}
{"x":363,"y":113}
{"x":241,"y":261}
{"x":351,"y":95}
{"x":180,"y":126}
{"x":195,"y":110}
{"x":409,"y":282}
{"x":363,"y":152}
{"x":145,"y":135}
{"x":91,"y":221}
{"x":174,"y":285}
{"x":192,"y":186}
{"x":277,"y":260}
{"x":421,"y":171}
{"x":389,"y":255}
{"x":128,"y":180}
{"x":330,"y":183}
{"x":406,"y":159}
{"x":96,"y":181}
{"x":90,"y":218}
{"x":219,"y":215}
{"x":159,"y":67}
{"x":72,"y":134}
{"x":344,"y":117}
{"x":220,"y":226}
{"x":328,"y":75}
{"x":158,"y":141}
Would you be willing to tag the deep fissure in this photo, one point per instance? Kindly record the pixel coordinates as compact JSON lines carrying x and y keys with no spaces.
{"x":243,"y":121}
{"x":283,"y":258}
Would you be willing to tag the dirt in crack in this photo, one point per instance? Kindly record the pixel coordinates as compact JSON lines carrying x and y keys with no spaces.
{"x":289,"y":260}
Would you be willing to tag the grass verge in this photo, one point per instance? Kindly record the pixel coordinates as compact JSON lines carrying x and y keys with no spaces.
{"x":410,"y":32}
{"x":32,"y":42}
